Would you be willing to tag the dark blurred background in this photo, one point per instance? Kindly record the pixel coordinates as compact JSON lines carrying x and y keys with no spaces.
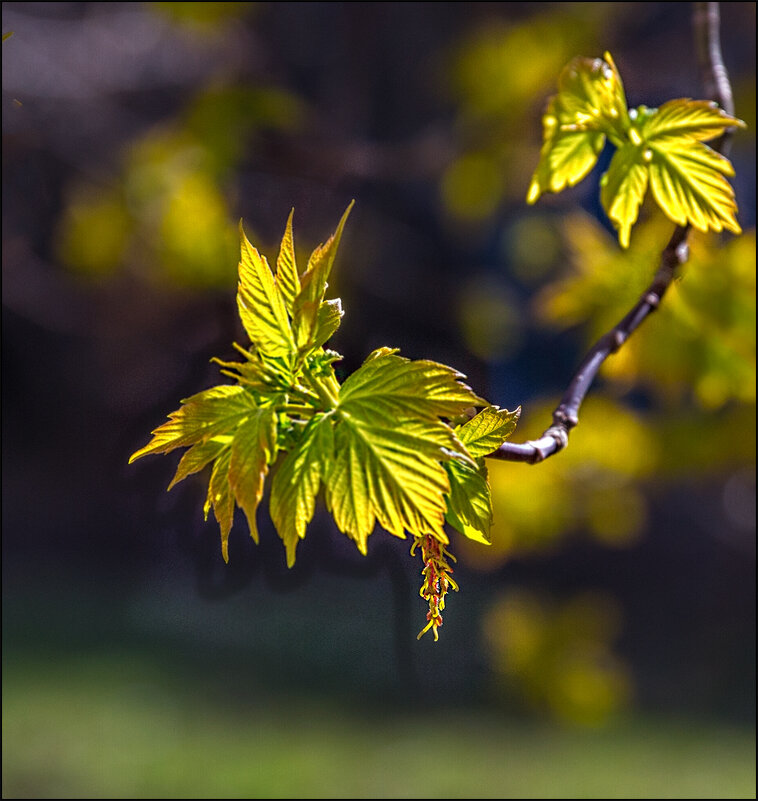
{"x":604,"y":644}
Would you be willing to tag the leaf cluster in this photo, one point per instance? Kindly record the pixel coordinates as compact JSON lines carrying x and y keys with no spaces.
{"x":395,"y":444}
{"x":660,"y":148}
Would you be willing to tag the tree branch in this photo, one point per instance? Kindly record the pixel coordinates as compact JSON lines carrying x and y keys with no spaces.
{"x":716,"y":85}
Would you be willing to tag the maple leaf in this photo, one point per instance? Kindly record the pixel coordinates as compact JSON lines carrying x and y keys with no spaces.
{"x":201,"y":417}
{"x":589,"y":106}
{"x":389,"y":474}
{"x":387,"y":385}
{"x":253,"y":450}
{"x":220,"y":497}
{"x":488,"y":430}
{"x":469,"y":501}
{"x":287,"y":278}
{"x":261,"y":305}
{"x":313,"y":285}
{"x":658,"y":148}
{"x":380,"y":444}
{"x":297,"y":481}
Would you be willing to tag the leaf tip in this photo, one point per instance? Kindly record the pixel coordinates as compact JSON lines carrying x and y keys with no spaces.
{"x":138,"y":454}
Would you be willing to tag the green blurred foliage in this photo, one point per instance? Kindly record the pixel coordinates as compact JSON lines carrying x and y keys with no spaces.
{"x":489,"y":318}
{"x":695,"y":360}
{"x":557,"y":658}
{"x":699,"y":346}
{"x":166,"y":216}
{"x":501,"y":76}
{"x":107,"y":727}
{"x":594,"y":486}
{"x":695,"y":357}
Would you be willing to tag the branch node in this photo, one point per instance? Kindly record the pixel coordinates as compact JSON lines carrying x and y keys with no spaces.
{"x":682,"y":252}
{"x":560,"y":437}
{"x":563,"y":420}
{"x":653,"y":300}
{"x":619,"y":337}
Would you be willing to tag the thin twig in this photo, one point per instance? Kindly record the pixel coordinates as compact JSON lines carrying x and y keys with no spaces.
{"x":566,"y":415}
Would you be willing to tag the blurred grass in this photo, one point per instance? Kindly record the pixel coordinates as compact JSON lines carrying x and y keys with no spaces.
{"x":122,"y":727}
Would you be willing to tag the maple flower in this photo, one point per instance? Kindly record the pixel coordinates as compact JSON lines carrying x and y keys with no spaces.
{"x":437,"y":579}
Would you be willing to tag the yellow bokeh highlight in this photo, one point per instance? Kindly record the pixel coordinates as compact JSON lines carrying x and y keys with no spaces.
{"x":699,"y":345}
{"x":489,"y":318}
{"x":590,"y":488}
{"x":556,"y":657}
{"x":93,"y":232}
{"x":472,"y":186}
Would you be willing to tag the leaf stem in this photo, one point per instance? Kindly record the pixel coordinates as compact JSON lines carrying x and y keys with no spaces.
{"x":327,"y":395}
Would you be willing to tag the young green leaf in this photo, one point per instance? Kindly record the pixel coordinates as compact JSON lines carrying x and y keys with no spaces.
{"x":328,"y":319}
{"x":661,"y":148}
{"x":261,"y":306}
{"x":488,"y":430}
{"x":297,"y":480}
{"x":287,"y":277}
{"x":214,"y":411}
{"x":686,"y":119}
{"x":198,"y":456}
{"x":390,"y":386}
{"x":253,"y":450}
{"x":622,"y":190}
{"x":469,"y":503}
{"x":391,"y":474}
{"x":589,"y":106}
{"x":313,"y":286}
{"x":221,"y":498}
{"x":687,"y":181}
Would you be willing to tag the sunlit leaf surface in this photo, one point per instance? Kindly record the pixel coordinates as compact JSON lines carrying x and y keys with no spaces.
{"x":382,"y":444}
{"x":662,"y":148}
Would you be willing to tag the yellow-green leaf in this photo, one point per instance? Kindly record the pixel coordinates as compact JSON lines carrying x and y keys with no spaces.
{"x":391,"y":474}
{"x":589,"y":106}
{"x":469,"y":504}
{"x":687,"y":181}
{"x":265,"y":375}
{"x":221,"y":498}
{"x":287,"y":277}
{"x":565,"y":158}
{"x":297,"y":480}
{"x":383,"y":351}
{"x":214,"y":411}
{"x":253,"y":449}
{"x":260,"y":304}
{"x":313,"y":284}
{"x":488,"y":430}
{"x":328,"y":319}
{"x":622,"y":189}
{"x":591,"y":95}
{"x":691,"y":120}
{"x":390,"y":386}
{"x":198,"y":456}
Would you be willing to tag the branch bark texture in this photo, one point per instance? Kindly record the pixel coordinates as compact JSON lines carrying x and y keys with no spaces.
{"x":715,"y":80}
